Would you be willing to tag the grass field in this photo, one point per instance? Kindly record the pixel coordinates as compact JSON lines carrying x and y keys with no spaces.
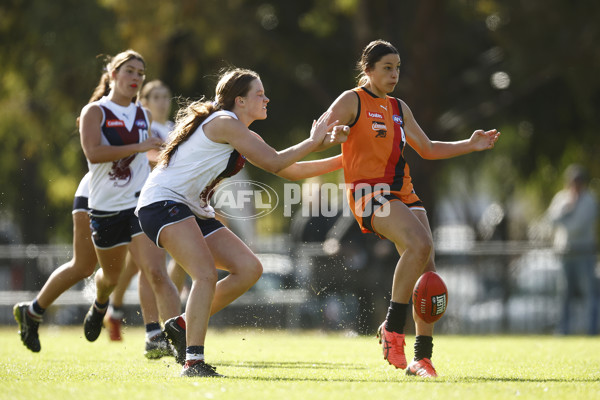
{"x":286,"y":365}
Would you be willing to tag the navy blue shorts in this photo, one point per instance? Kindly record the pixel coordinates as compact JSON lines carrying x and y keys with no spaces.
{"x":80,"y":204}
{"x":154,"y":217}
{"x":113,"y":228}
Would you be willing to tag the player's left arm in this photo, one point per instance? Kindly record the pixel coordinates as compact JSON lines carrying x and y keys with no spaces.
{"x":435,"y":150}
{"x":308,"y":169}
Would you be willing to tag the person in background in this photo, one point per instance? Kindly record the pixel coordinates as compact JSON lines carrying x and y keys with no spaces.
{"x":574,"y":214}
{"x":380,"y":190}
{"x":114,"y":137}
{"x":83,"y":264}
{"x":155,"y":96}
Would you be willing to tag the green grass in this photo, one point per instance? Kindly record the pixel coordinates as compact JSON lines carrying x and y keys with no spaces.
{"x":298,"y":365}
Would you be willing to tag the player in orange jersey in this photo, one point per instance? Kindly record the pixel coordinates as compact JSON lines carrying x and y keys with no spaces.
{"x":380,"y":190}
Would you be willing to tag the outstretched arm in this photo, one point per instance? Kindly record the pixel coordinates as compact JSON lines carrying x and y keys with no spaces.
{"x":251,"y":145}
{"x":435,"y":150}
{"x":308,"y":169}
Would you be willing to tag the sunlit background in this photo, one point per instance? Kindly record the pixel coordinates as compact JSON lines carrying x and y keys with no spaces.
{"x":527,"y":68}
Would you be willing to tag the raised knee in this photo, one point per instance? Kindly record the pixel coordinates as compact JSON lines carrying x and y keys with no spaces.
{"x":423,"y":248}
{"x":255,"y":269}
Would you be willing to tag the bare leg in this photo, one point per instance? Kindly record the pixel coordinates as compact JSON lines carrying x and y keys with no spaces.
{"x":185,"y":242}
{"x":232,"y":255}
{"x":79,"y":267}
{"x":130,"y":270}
{"x":147,"y":301}
{"x":177,"y":274}
{"x":112,"y":262}
{"x":413,"y":242}
{"x":151,"y":261}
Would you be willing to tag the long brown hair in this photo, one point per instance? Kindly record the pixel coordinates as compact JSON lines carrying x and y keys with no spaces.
{"x":372,"y":53}
{"x":232,"y":83}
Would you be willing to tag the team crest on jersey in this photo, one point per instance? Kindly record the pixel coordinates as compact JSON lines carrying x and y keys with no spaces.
{"x":113,"y":123}
{"x":398,"y":120}
{"x":121,"y":172}
{"x":380,"y":128}
{"x":372,"y":114}
{"x":140,"y":123}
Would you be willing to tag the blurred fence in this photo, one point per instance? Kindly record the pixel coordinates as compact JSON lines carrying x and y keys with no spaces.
{"x":502,"y":287}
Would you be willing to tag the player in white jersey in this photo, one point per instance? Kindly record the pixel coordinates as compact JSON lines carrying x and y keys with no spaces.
{"x":30,"y":314}
{"x":211,"y":141}
{"x":114,"y":138}
{"x":155,"y":96}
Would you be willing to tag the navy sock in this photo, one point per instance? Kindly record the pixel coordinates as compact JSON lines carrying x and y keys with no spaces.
{"x":100,"y":307}
{"x":152,"y":326}
{"x":423,"y":347}
{"x":194,"y":353}
{"x":396,"y":317}
{"x":37,"y":308}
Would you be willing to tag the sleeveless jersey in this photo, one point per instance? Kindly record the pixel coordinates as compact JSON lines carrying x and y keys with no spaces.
{"x":195,"y":169}
{"x":115,"y":185}
{"x":373,"y":153}
{"x":83,"y":190}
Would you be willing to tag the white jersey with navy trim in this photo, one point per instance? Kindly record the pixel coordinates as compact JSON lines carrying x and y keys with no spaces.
{"x":194,"y":170}
{"x":115,"y":185}
{"x":83,"y":190}
{"x":161,"y":130}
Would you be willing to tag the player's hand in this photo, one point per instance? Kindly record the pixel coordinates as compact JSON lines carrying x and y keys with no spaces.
{"x":319,"y":130}
{"x":339,"y":134}
{"x":152,"y":143}
{"x":484,"y":140}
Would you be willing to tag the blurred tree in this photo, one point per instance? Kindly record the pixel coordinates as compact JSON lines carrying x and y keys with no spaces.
{"x":528,"y":68}
{"x":47,"y":67}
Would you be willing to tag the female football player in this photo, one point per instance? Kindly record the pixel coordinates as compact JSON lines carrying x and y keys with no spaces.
{"x":380,"y":191}
{"x":211,"y":141}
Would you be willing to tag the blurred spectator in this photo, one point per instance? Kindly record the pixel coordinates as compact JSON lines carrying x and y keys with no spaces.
{"x":574,"y":212}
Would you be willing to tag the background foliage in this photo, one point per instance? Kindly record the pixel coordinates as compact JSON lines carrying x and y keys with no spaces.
{"x":527,"y":68}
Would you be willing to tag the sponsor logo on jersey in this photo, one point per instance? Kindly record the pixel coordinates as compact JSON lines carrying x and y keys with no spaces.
{"x":380,"y":128}
{"x":112,"y":123}
{"x":398,"y":119}
{"x":140,"y":123}
{"x":372,"y":114}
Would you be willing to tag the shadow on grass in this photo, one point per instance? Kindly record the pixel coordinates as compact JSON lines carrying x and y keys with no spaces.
{"x":293,"y":365}
{"x":350,"y":368}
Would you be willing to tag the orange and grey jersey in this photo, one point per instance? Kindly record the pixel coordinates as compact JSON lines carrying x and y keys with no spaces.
{"x":373,"y":153}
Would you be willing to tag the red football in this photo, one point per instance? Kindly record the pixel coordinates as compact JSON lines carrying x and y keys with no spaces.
{"x":430,"y":297}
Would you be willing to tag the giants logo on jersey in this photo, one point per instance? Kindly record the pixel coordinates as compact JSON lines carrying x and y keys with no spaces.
{"x":111,"y":123}
{"x":372,"y":114}
{"x":398,"y":120}
{"x":380,"y":128}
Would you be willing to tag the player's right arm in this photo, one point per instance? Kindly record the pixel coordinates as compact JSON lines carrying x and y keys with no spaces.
{"x":91,"y":134}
